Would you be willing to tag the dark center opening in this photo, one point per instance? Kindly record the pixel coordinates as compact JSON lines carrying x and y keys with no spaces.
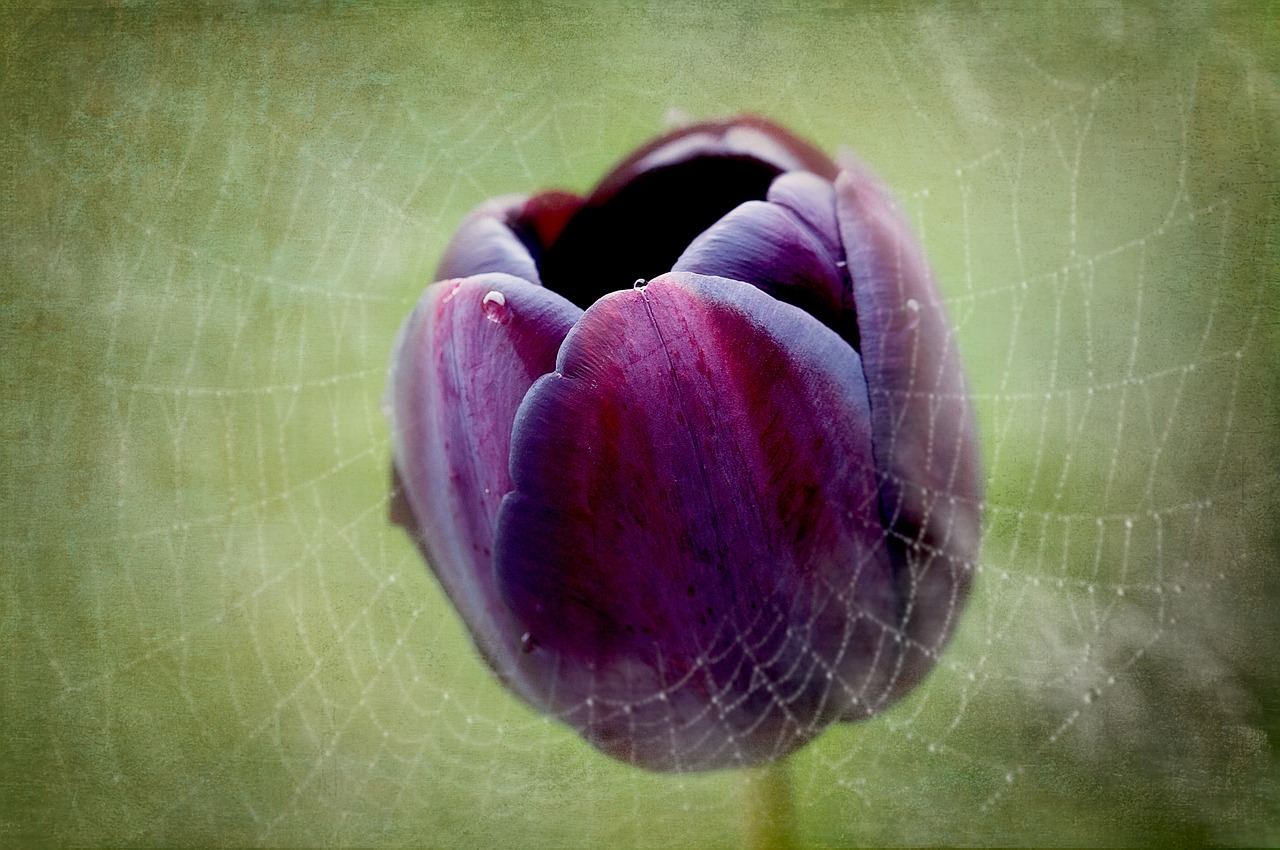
{"x":641,"y":231}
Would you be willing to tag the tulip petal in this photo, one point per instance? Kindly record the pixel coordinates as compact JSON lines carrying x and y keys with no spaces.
{"x":462,"y":364}
{"x":485,"y":243}
{"x":645,"y":212}
{"x":694,"y":534}
{"x":771,"y":247}
{"x":813,"y":200}
{"x":923,"y":427}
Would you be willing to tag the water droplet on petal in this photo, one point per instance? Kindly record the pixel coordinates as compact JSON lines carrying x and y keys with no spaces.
{"x":495,"y":307}
{"x":913,"y":313}
{"x":640,"y":283}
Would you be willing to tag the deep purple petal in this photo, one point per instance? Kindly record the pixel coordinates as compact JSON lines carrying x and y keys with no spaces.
{"x":771,"y":247}
{"x":462,"y":364}
{"x":813,"y":200}
{"x":694,"y":534}
{"x":923,"y":428}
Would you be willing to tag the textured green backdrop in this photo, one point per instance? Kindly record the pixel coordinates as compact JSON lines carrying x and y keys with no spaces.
{"x":212,"y":222}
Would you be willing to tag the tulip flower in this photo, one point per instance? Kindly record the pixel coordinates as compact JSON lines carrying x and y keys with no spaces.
{"x":693,"y":456}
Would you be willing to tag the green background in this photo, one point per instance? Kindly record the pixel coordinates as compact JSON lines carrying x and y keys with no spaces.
{"x":213,"y":219}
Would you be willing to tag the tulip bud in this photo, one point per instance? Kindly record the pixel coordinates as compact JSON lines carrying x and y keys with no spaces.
{"x":693,"y":455}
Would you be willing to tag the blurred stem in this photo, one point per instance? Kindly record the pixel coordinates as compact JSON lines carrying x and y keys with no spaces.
{"x":767,"y":799}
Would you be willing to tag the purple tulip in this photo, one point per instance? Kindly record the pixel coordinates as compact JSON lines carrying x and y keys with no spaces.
{"x":701,"y":518}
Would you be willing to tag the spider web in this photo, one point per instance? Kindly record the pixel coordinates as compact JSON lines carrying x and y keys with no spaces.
{"x":214,"y":222}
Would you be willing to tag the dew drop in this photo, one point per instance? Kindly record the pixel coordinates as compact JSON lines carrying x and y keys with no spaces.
{"x":913,"y":313}
{"x":495,"y":307}
{"x":528,"y":642}
{"x":640,"y":283}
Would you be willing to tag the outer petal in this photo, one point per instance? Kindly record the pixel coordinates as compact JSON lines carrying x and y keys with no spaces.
{"x":923,"y":428}
{"x":694,"y":535}
{"x":463,"y":362}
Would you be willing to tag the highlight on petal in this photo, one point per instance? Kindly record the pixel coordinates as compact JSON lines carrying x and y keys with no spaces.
{"x":694,"y":535}
{"x":461,"y":366}
{"x":923,"y":427}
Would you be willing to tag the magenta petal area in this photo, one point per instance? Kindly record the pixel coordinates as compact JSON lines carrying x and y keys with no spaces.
{"x":923,"y":427}
{"x":694,"y":542}
{"x":462,"y":364}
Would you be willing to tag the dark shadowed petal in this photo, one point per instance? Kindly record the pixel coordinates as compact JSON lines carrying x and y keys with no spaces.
{"x":462,"y":364}
{"x":694,"y":535}
{"x":922,"y":423}
{"x":645,"y":212}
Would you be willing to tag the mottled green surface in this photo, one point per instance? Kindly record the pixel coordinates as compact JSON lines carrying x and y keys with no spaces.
{"x":212,"y":222}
